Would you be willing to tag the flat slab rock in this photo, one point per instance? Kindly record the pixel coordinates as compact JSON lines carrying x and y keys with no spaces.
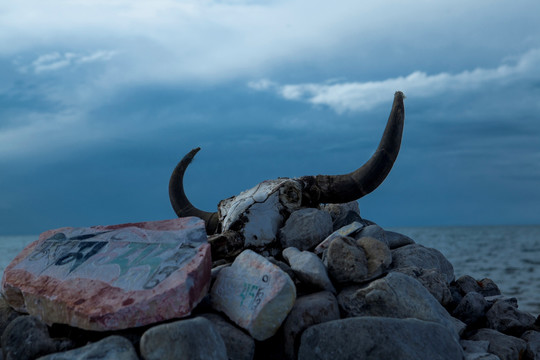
{"x":112,"y":277}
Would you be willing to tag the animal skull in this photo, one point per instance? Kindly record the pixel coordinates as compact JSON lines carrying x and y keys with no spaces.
{"x":252,"y":218}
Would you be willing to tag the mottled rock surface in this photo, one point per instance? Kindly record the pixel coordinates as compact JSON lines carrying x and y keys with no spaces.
{"x":378,"y":256}
{"x":308,"y":268}
{"x":426,"y":258}
{"x":305,"y":228}
{"x":27,"y":338}
{"x":110,"y":348}
{"x":240,"y":346}
{"x":507,"y":319}
{"x":307,"y":311}
{"x":504,"y":346}
{"x":191,"y":339}
{"x":396,"y":295}
{"x":376,"y":338}
{"x":346,"y":262}
{"x":255,"y":294}
{"x":112,"y":277}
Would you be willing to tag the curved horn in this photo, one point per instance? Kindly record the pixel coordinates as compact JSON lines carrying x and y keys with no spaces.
{"x":179,"y":201}
{"x":362,"y":181}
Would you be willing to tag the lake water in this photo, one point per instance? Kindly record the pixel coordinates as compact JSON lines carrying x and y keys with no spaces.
{"x":509,"y":255}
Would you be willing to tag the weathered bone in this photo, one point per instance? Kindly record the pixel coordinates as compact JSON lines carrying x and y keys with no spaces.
{"x":253,"y":218}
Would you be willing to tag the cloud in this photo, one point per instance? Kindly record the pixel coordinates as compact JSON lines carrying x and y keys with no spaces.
{"x":55,"y":61}
{"x":362,"y":96}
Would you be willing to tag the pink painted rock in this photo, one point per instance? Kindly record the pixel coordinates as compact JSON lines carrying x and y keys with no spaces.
{"x":255,"y":294}
{"x":112,"y":277}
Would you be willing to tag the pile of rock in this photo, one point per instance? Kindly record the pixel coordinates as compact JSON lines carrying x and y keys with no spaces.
{"x":341,"y":288}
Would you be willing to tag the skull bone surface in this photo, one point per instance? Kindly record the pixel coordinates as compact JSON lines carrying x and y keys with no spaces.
{"x":253,"y":218}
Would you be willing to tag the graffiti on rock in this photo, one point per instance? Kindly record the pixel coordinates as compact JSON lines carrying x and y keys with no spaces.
{"x":127,"y":264}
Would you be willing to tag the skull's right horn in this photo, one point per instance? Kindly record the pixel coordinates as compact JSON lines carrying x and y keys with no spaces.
{"x":362,"y":181}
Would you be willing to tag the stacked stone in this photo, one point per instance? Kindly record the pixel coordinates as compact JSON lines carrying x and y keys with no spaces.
{"x":341,"y":288}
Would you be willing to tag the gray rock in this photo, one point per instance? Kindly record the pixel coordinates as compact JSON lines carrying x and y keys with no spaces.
{"x":372,"y":231}
{"x":378,"y":256}
{"x":254,"y":293}
{"x":27,"y":338}
{"x":305,"y":228}
{"x":396,"y":295}
{"x":395,"y":240}
{"x":489,"y":288}
{"x":346,"y":219}
{"x":508,"y":299}
{"x":433,"y":281}
{"x":376,"y":338}
{"x":472,"y":308}
{"x":504,"y":346}
{"x":486,"y":287}
{"x":337,"y":211}
{"x":110,"y":348}
{"x":345,"y":261}
{"x":7,"y":314}
{"x":422,"y":257}
{"x":185,"y":339}
{"x":477,"y":350}
{"x":533,"y":344}
{"x":283,"y":266}
{"x":505,"y":318}
{"x":307,"y":311}
{"x":348,"y":230}
{"x":467,"y":284}
{"x":308,"y":268}
{"x":240,"y":346}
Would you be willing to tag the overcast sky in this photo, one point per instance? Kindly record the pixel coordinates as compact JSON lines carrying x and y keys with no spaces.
{"x":100,"y":99}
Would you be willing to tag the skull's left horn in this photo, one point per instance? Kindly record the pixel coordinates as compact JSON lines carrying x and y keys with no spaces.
{"x":179,"y":201}
{"x":362,"y":181}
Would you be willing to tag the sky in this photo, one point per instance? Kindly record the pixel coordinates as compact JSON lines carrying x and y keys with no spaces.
{"x":100,"y":99}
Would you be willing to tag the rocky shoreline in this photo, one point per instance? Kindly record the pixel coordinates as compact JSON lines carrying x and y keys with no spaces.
{"x":337,"y":287}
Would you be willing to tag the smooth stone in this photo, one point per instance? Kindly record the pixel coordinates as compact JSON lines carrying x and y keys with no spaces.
{"x":472,"y":308}
{"x":307,"y":311}
{"x":379,"y":338}
{"x":305,"y":228}
{"x":348,"y":230}
{"x":533,"y":344}
{"x":477,"y":350}
{"x":504,"y":346}
{"x":378,"y":255}
{"x":426,"y":258}
{"x":486,"y":287}
{"x":112,"y":277}
{"x":489,"y":288}
{"x":345,"y":261}
{"x":433,"y":281}
{"x":508,"y":299}
{"x":27,"y":338}
{"x":7,"y":314}
{"x":308,"y":268}
{"x":110,"y":348}
{"x":342,"y":214}
{"x":240,"y":346}
{"x":372,"y":231}
{"x":395,"y":240}
{"x":255,"y":294}
{"x":283,"y":266}
{"x":191,"y":339}
{"x":397,"y":296}
{"x":507,"y":319}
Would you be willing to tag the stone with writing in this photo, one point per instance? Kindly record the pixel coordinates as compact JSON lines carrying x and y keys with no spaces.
{"x":112,"y":277}
{"x":254,"y":293}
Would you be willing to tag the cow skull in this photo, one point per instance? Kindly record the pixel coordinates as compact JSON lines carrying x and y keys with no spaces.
{"x":252,"y":218}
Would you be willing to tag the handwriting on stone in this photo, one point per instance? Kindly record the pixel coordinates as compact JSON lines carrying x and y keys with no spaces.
{"x":125,"y":263}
